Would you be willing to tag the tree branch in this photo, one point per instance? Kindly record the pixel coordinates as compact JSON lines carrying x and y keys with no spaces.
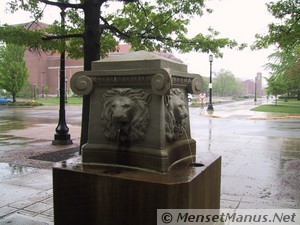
{"x":116,"y":31}
{"x":63,"y":5}
{"x":54,"y":37}
{"x":113,"y":29}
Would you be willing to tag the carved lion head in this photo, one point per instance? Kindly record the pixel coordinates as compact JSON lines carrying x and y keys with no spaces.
{"x":176,"y":114}
{"x":125,"y":115}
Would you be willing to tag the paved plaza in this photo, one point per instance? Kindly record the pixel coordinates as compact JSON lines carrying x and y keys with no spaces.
{"x":260,"y":158}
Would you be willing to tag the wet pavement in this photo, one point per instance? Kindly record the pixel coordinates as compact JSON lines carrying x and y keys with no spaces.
{"x":260,"y":154}
{"x":26,"y":159}
{"x":260,"y":157}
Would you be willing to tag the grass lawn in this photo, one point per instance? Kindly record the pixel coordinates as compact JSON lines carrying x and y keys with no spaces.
{"x":292,"y":106}
{"x":44,"y":101}
{"x":55,"y":101}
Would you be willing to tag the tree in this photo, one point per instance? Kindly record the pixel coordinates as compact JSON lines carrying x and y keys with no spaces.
{"x":293,"y":73}
{"x":286,"y":64}
{"x":13,"y":70}
{"x":226,"y":84}
{"x":148,"y":25}
{"x":285,"y":32}
{"x":277,"y":84}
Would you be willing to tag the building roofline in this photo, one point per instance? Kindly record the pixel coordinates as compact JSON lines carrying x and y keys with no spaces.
{"x":31,"y":23}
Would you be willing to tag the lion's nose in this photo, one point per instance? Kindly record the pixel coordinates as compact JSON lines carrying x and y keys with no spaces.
{"x":118,"y":117}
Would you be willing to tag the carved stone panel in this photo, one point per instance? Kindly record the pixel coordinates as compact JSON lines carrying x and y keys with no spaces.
{"x":176,"y":115}
{"x":125,"y":115}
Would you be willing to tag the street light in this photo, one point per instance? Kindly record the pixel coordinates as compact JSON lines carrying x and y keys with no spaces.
{"x":255,"y":91}
{"x":62,"y":136}
{"x":43,"y":94}
{"x":34,"y":95}
{"x":210,"y":106}
{"x":66,"y":86}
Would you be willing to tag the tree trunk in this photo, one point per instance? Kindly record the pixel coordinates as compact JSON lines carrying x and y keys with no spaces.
{"x":91,"y":53}
{"x":14,"y":97}
{"x":287,"y":96}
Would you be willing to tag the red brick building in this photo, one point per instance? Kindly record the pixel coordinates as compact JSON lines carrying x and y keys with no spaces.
{"x":44,"y":71}
{"x":44,"y":67}
{"x":250,"y":85}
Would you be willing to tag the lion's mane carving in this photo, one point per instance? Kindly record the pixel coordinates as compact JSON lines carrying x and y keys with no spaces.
{"x":125,"y":115}
{"x":176,"y":114}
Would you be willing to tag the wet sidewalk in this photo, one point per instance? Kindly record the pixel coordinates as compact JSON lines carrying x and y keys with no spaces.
{"x":26,"y":160}
{"x":260,"y":154}
{"x":26,"y":195}
{"x":260,"y":161}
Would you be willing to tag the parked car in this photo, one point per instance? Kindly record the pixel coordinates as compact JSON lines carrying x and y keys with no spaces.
{"x":5,"y":100}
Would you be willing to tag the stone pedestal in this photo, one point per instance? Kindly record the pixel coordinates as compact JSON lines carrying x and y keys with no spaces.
{"x":138,"y":111}
{"x":98,"y":195}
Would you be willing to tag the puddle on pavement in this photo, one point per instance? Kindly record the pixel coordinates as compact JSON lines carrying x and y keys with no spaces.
{"x":12,"y":138}
{"x":6,"y":125}
{"x":22,"y":219}
{"x":8,"y":170}
{"x":9,"y":142}
{"x":290,"y":148}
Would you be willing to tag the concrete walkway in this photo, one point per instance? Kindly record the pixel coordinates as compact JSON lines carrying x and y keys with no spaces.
{"x":26,"y":158}
{"x":259,"y":170}
{"x":260,"y":154}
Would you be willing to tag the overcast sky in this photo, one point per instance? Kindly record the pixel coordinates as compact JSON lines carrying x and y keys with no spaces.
{"x":239,"y":20}
{"x":235,"y":19}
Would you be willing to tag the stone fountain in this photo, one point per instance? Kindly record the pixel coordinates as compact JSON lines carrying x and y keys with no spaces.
{"x":140,"y":154}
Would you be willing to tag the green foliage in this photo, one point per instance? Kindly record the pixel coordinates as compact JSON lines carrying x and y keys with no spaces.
{"x":20,"y":35}
{"x":285,"y":72}
{"x":285,"y":32}
{"x":225,"y":84}
{"x":277,"y":84}
{"x":162,"y":26}
{"x":25,"y":92}
{"x":281,"y":61}
{"x":13,"y":71}
{"x":149,"y":25}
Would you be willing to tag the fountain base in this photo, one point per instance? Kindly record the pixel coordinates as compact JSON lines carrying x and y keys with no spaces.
{"x":89,"y":195}
{"x":159,"y":160}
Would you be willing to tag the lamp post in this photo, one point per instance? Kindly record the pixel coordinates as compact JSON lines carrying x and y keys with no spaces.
{"x":66,"y":85}
{"x":62,"y":136}
{"x":34,"y":95}
{"x":43,"y":94}
{"x":255,"y":91}
{"x":210,"y":106}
